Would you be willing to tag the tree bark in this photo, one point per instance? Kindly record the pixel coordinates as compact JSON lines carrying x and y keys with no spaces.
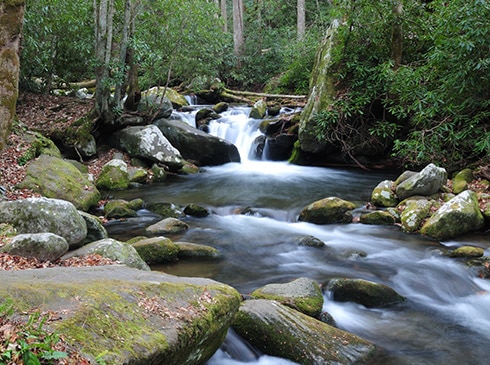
{"x":301,"y":19}
{"x":224,"y":15}
{"x":238,"y":37}
{"x":397,"y":36}
{"x":11,"y":19}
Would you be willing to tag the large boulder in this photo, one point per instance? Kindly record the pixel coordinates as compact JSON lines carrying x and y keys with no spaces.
{"x":459,"y":215}
{"x":259,"y":110}
{"x":196,"y":145}
{"x":53,"y":177}
{"x":118,"y":315}
{"x":41,"y":215}
{"x":42,"y":246}
{"x":156,"y":250}
{"x":278,"y":330}
{"x":113,"y":176}
{"x":327,"y":211}
{"x":427,"y":182}
{"x":367,"y":293}
{"x":414,"y":213}
{"x":149,"y":143}
{"x":302,"y":294}
{"x":114,"y":250}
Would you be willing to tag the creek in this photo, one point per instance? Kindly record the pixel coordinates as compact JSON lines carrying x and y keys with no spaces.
{"x":446,"y":317}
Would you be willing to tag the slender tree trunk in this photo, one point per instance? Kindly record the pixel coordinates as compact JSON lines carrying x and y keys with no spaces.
{"x":301,"y":19}
{"x":238,"y":37}
{"x":397,"y":36}
{"x":121,"y":84}
{"x":11,"y":19}
{"x":224,"y":15}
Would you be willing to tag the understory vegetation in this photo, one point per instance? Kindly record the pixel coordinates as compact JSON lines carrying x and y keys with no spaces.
{"x":412,"y":76}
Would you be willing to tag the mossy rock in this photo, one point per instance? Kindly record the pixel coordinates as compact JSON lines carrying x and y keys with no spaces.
{"x":156,"y":250}
{"x":166,"y":210}
{"x":327,"y":211}
{"x":167,"y":226}
{"x":302,"y":294}
{"x":196,"y":210}
{"x":310,"y":241}
{"x":118,"y":208}
{"x":114,"y":176}
{"x":414,"y":213}
{"x":367,"y":293}
{"x":383,"y":195}
{"x":189,"y":250}
{"x":220,"y":107}
{"x":159,"y":174}
{"x":138,"y":175}
{"x":259,"y":110}
{"x":53,"y":177}
{"x":461,"y":180}
{"x":118,"y":315}
{"x":378,"y":217}
{"x":467,"y":252}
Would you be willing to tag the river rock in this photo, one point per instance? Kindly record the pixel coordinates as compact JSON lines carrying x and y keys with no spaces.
{"x":195,"y":210}
{"x":427,"y":182}
{"x":279,"y":148}
{"x":118,"y":315}
{"x":114,"y":250}
{"x":383,"y":195}
{"x":42,"y":246}
{"x":459,"y":215}
{"x":461,"y":180}
{"x":302,"y":294}
{"x":113,"y":176}
{"x":166,"y":210}
{"x":152,"y":103}
{"x":53,"y":177}
{"x":148,"y":142}
{"x":197,"y":146}
{"x":278,"y":330}
{"x":327,"y":211}
{"x":367,"y":293}
{"x":42,"y":215}
{"x":378,"y":217}
{"x":259,"y":110}
{"x":221,"y":107}
{"x":165,"y":226}
{"x":310,"y":241}
{"x":118,"y":208}
{"x":188,"y":249}
{"x":156,"y":250}
{"x":95,"y":229}
{"x":414,"y":213}
{"x":467,"y":252}
{"x":138,"y":175}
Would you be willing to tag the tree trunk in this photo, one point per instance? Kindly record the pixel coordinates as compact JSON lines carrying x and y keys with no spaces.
{"x":11,"y":19}
{"x":238,"y":37}
{"x":224,"y":15}
{"x":397,"y":35}
{"x":301,"y":19}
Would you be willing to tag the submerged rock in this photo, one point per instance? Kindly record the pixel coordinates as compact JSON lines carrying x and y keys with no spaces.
{"x":278,"y":330}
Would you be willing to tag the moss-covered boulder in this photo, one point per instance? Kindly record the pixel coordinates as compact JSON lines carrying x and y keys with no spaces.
{"x":118,"y":315}
{"x":196,"y":210}
{"x":467,"y":252}
{"x":485,"y":199}
{"x":154,"y":94}
{"x":114,"y":250}
{"x":367,"y":293}
{"x":53,"y":177}
{"x":166,"y":210}
{"x":156,"y":250}
{"x":278,"y":330}
{"x":302,"y":294}
{"x":327,"y":211}
{"x":188,"y":250}
{"x":42,"y":246}
{"x":259,"y":110}
{"x":427,"y":182}
{"x":383,"y":195}
{"x":95,"y":229}
{"x":378,"y":217}
{"x":459,"y":215}
{"x":461,"y":180}
{"x":220,"y":107}
{"x":43,"y":215}
{"x":113,"y":176}
{"x":414,"y":213}
{"x":165,"y":226}
{"x":118,"y":208}
{"x":138,"y":175}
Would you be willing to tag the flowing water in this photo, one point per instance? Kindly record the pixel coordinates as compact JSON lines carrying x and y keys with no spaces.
{"x":446,"y":317}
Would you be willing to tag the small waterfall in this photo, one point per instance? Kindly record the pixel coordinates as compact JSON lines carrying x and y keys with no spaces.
{"x":191,"y":99}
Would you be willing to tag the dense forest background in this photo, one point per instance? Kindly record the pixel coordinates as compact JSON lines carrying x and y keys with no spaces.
{"x":413,"y":75}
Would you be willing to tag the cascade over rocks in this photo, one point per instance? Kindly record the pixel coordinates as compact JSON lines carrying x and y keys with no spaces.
{"x":40,"y":215}
{"x":278,"y":330}
{"x":196,"y":145}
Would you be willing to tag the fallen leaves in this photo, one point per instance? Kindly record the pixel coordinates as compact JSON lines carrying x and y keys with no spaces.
{"x":14,"y":262}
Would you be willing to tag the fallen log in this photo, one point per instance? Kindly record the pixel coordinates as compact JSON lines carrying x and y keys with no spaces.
{"x":264,"y":95}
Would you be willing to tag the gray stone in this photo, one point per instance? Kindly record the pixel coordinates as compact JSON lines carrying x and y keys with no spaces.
{"x":427,"y":182}
{"x":383,"y":195}
{"x":156,"y":250}
{"x":327,"y":211}
{"x":42,"y":246}
{"x":114,"y":176}
{"x":165,"y":226}
{"x":414,"y":213}
{"x":95,"y":229}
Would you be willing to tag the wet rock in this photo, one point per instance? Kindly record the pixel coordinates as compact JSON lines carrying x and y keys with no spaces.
{"x":113,"y":176}
{"x":383,"y":195}
{"x":414,"y":213}
{"x":467,"y":252}
{"x":220,"y":107}
{"x":187,"y":250}
{"x":367,"y":293}
{"x":138,"y":175}
{"x":427,"y":182}
{"x":302,"y":294}
{"x":114,"y":250}
{"x":118,"y":208}
{"x":259,"y":110}
{"x":53,"y":177}
{"x":166,"y":210}
{"x":378,"y":217}
{"x":310,"y":241}
{"x":156,"y":250}
{"x":278,"y":330}
{"x":327,"y":211}
{"x":165,"y":226}
{"x":458,"y":216}
{"x":195,"y":210}
{"x":42,"y":215}
{"x":42,"y":246}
